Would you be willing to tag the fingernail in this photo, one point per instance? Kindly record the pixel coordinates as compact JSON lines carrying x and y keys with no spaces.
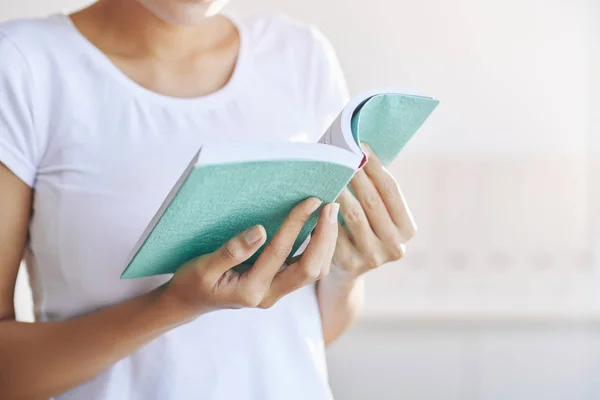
{"x":367,"y":148}
{"x":315,"y":204}
{"x":253,"y":236}
{"x":334,"y":210}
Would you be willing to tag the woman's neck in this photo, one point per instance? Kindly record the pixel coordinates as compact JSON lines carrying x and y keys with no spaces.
{"x":170,"y":59}
{"x":126,"y":27}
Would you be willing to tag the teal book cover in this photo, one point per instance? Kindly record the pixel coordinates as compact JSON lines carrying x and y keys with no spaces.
{"x":218,"y":196}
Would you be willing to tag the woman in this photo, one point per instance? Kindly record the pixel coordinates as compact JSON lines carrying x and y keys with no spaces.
{"x":99,"y":113}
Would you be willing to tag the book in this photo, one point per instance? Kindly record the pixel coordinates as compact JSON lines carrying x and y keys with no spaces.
{"x":229,"y":187}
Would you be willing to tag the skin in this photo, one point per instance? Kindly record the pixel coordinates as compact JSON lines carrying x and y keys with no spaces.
{"x":378,"y":226}
{"x":166,"y":45}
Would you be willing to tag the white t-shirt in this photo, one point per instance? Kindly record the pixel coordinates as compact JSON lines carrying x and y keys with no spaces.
{"x":102,"y":152}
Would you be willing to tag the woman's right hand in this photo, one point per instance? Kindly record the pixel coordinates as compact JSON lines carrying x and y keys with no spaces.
{"x":42,"y":360}
{"x":208,"y":283}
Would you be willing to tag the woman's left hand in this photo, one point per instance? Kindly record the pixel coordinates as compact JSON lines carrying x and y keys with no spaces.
{"x":378,"y":223}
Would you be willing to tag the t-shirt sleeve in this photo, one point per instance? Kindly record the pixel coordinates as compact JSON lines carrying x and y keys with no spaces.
{"x":20,"y":148}
{"x":329,"y":89}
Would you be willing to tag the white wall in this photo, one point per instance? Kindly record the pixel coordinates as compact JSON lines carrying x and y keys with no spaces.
{"x":594,"y":138}
{"x":504,"y":70}
{"x":441,"y":361}
{"x":506,"y":149}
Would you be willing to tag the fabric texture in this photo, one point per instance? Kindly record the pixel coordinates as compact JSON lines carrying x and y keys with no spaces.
{"x":219,"y":201}
{"x":387,"y":122}
{"x":102,"y":153}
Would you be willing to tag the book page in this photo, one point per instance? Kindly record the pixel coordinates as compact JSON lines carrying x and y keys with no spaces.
{"x":213,"y":153}
{"x":339,"y":133}
{"x":337,"y":136}
{"x":334,"y":136}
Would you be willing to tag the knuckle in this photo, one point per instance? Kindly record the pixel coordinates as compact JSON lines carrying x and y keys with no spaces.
{"x":250,"y":299}
{"x":232,"y":252}
{"x":267,"y":303}
{"x":353,"y":216}
{"x":324,"y":272}
{"x":200,"y":276}
{"x":372,"y":202}
{"x":372,"y":263}
{"x":204,"y":280}
{"x":281,"y":252}
{"x":309,"y":273}
{"x":396,"y":251}
{"x":353,"y":262}
{"x":256,"y":287}
{"x":388,"y":189}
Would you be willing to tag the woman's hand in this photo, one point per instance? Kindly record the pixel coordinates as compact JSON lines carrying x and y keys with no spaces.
{"x":378,"y":221}
{"x":209,"y":284}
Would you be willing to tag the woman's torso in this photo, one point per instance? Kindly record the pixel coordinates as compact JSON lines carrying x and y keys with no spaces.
{"x":106,"y":153}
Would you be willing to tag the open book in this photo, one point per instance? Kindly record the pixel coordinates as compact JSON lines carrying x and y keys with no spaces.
{"x":229,"y":187}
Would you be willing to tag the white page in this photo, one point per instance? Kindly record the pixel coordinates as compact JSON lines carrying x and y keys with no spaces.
{"x":334,"y":136}
{"x":339,"y":133}
{"x":214,"y":153}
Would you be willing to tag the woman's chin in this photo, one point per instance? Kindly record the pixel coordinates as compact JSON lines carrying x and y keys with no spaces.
{"x":184,"y":12}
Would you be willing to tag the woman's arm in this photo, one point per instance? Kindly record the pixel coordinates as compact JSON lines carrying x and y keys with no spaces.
{"x":378,"y":224}
{"x":41,"y":360}
{"x":341,"y":300}
{"x":45,"y":359}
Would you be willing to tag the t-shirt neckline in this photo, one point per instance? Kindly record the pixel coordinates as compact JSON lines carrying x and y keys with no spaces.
{"x":210,"y":100}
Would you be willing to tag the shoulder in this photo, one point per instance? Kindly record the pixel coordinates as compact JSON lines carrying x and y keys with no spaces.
{"x":31,"y":34}
{"x":18,"y":49}
{"x":298,"y":47}
{"x":299,"y":56}
{"x":33,"y":41}
{"x":265,"y":26}
{"x":26,"y":27}
{"x":287,"y":36}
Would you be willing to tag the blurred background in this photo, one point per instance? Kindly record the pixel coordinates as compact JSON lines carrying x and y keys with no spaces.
{"x":499,"y":295}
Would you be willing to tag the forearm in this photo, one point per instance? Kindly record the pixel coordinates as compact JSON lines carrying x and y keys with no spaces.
{"x":41,"y":360}
{"x":341,"y":299}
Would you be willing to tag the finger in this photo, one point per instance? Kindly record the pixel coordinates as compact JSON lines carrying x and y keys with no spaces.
{"x":374,"y":208}
{"x":362,"y":235}
{"x":391,"y":194}
{"x":278,"y":250}
{"x":346,"y":254}
{"x":315,"y":261}
{"x":236,"y":251}
{"x":326,"y":265}
{"x":319,"y":253}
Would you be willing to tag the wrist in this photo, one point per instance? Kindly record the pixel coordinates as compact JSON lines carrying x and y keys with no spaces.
{"x":342,"y":278}
{"x":170,"y":309}
{"x":344,"y":274}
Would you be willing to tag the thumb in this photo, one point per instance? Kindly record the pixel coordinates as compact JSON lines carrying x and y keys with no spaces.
{"x":237,"y":250}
